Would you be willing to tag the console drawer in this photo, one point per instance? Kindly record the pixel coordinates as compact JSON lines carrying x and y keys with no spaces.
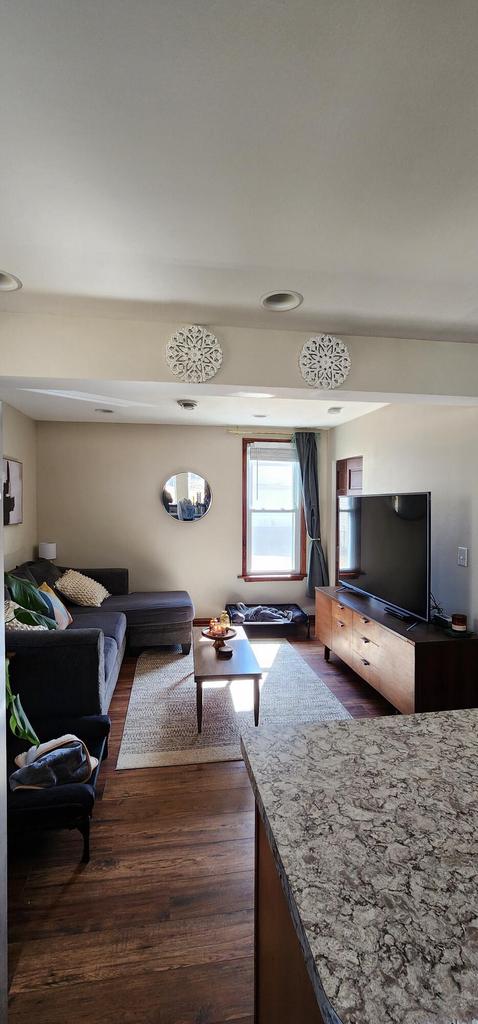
{"x":363,"y":626}
{"x":388,"y":664}
{"x":397,"y":655}
{"x":341,"y":638}
{"x":365,"y":647}
{"x":396,"y":672}
{"x":342,"y":614}
{"x":364,"y":668}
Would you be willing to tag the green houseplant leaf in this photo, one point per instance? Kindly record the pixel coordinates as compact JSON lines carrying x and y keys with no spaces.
{"x":26,"y":594}
{"x":18,"y":721}
{"x":35,"y":609}
{"x":34,"y":618}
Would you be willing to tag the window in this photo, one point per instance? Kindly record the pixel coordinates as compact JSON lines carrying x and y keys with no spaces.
{"x":349,"y":482}
{"x":349,"y":536}
{"x":273,"y":522}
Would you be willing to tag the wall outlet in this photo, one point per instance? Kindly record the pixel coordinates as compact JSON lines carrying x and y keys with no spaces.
{"x":462,"y":556}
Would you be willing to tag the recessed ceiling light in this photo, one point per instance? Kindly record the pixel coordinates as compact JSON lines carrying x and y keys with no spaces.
{"x":260,"y":415}
{"x":104,"y":411}
{"x":334,"y":410}
{"x":253,"y":394}
{"x":281,"y":301}
{"x":8,"y":282}
{"x":187,"y":403}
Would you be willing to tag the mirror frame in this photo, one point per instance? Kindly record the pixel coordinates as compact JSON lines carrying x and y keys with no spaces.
{"x":163,"y":487}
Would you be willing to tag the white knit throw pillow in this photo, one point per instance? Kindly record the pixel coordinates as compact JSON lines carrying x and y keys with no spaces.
{"x":81,"y":589}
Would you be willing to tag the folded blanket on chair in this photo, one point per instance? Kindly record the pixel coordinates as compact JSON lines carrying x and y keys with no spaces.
{"x":262,"y":613}
{"x":55,"y":763}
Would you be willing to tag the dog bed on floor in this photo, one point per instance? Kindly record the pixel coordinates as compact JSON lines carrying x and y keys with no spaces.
{"x":294,"y":617}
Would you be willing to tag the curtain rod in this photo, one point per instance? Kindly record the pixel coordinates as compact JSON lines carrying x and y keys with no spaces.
{"x":271,"y":431}
{"x":254,"y":431}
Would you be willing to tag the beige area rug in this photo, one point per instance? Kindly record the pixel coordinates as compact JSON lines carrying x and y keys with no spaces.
{"x":161,"y":728}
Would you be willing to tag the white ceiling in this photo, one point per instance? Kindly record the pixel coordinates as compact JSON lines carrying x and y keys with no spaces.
{"x":177,"y":159}
{"x":151,"y":402}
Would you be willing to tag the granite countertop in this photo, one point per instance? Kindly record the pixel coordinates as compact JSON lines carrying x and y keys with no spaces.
{"x":374,"y":828}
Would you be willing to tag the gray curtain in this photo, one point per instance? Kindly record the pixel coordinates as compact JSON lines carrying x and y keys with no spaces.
{"x":306,"y":445}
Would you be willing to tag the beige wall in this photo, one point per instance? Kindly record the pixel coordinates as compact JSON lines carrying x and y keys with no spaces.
{"x":99,"y":499}
{"x":19,"y":442}
{"x":431,"y":448}
{"x":60,"y":346}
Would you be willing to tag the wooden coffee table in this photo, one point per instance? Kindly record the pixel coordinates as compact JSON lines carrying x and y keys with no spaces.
{"x":242,"y":665}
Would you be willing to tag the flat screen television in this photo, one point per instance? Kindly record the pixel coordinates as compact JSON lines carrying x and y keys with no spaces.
{"x":384,"y":549}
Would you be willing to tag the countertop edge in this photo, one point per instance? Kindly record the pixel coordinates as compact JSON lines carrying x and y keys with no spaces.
{"x":329,"y":1014}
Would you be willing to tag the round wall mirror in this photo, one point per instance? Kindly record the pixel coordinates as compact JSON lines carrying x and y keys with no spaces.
{"x":186,"y":496}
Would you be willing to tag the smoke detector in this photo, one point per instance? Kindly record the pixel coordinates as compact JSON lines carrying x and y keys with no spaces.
{"x":187,"y":403}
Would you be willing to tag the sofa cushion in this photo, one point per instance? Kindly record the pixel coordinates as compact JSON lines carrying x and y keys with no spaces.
{"x":43,"y":571}
{"x":78,"y":797}
{"x":159,"y":607}
{"x":22,"y":572}
{"x":116,"y":580}
{"x":113,"y":624}
{"x":111,"y":655}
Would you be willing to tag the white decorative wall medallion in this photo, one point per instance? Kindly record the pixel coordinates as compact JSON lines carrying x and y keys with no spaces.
{"x":194,"y":354}
{"x":324,"y":361}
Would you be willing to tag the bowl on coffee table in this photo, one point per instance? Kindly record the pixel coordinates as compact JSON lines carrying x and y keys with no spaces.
{"x":220,"y":641}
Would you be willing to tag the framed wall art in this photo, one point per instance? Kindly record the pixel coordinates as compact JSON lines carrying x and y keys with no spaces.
{"x":12,"y":492}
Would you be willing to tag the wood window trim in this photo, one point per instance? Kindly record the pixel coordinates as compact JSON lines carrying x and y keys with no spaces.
{"x":260,"y":577}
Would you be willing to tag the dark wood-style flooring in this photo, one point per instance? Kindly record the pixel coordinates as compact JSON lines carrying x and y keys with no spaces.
{"x":158,"y":927}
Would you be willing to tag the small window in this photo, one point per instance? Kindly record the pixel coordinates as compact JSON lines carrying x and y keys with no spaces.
{"x":349,"y":535}
{"x":273,"y":522}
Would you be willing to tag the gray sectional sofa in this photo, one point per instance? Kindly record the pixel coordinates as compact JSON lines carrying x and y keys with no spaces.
{"x":74,"y":671}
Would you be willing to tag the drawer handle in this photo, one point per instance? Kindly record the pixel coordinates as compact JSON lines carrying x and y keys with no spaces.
{"x":365,"y":621}
{"x":341,"y":606}
{"x":365,"y":639}
{"x":340,"y":623}
{"x":364,"y":661}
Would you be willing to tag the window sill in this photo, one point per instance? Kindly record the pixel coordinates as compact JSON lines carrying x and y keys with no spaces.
{"x":273,"y":579}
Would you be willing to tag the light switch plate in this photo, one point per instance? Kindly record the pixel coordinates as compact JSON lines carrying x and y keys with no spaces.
{"x":463,"y":556}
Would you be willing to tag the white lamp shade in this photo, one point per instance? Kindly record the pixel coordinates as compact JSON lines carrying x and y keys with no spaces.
{"x":47,"y":550}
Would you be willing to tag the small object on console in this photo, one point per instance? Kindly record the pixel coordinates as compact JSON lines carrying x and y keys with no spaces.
{"x":459,"y":623}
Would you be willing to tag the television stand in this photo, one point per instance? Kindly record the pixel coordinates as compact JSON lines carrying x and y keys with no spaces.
{"x":423,"y":669}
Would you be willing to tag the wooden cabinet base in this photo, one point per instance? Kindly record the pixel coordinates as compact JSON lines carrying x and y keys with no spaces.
{"x":283,"y":990}
{"x":415,"y":666}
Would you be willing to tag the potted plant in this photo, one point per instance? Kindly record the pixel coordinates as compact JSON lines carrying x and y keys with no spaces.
{"x":32,"y":609}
